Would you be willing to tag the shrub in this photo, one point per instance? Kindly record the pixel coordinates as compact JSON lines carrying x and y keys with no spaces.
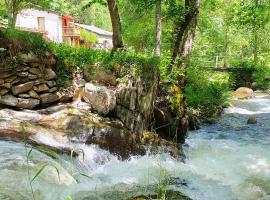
{"x":23,"y":41}
{"x":247,"y":72}
{"x":207,"y":92}
{"x":89,"y":38}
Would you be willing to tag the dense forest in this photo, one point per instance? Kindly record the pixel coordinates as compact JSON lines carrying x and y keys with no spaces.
{"x":178,"y":108}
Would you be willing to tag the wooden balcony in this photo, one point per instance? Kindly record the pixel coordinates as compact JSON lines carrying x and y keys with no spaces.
{"x":71,"y":32}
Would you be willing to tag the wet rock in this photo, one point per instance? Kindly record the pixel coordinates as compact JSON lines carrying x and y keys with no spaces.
{"x":25,"y":87}
{"x":48,"y":98}
{"x":164,"y":122}
{"x":49,"y":74}
{"x":252,"y":120}
{"x":101,"y":99}
{"x":41,"y":88}
{"x":9,"y":100}
{"x":27,"y":103}
{"x":243,"y":93}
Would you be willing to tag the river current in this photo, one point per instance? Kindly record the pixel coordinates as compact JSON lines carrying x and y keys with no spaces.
{"x":229,"y":160}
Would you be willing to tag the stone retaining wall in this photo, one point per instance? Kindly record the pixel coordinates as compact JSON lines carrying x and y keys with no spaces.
{"x":31,"y":82}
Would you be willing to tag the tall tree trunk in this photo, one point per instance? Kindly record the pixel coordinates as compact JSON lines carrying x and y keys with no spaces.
{"x":12,"y":12}
{"x":255,"y":46}
{"x":116,"y":25}
{"x":182,"y":49}
{"x":186,"y":31}
{"x":158,"y":28}
{"x":255,"y":39}
{"x":226,"y":50}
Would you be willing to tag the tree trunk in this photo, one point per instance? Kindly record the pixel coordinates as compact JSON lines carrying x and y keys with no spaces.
{"x":158,"y":28}
{"x":226,"y":50}
{"x":186,"y":31}
{"x":255,"y":46}
{"x":116,"y":25}
{"x":182,"y":49}
{"x":256,"y":39}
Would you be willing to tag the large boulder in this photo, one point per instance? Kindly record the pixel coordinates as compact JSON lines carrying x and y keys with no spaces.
{"x":101,"y":99}
{"x":243,"y":93}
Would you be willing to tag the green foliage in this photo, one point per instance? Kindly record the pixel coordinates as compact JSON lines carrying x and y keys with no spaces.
{"x":72,"y":59}
{"x":23,"y":41}
{"x":133,"y":63}
{"x":207,"y":92}
{"x":89,"y":38}
{"x":76,"y":59}
{"x":247,"y":72}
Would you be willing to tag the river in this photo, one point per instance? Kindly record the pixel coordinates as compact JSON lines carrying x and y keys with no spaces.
{"x":229,"y":160}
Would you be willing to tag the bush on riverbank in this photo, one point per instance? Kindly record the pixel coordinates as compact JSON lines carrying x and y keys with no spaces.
{"x":250,"y":74}
{"x":207,"y":92}
{"x":203,"y":94}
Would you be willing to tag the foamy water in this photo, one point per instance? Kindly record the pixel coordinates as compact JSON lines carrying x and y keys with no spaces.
{"x":229,"y":160}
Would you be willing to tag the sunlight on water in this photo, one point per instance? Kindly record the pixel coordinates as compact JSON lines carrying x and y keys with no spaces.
{"x":229,"y":160}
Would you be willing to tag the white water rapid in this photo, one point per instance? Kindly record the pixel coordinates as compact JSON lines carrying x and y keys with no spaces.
{"x":229,"y":160}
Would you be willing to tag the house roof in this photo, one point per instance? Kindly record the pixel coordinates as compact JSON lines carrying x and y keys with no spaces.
{"x":94,"y":29}
{"x":50,"y":11}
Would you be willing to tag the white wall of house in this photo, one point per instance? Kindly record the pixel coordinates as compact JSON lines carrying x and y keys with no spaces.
{"x":108,"y":39}
{"x":28,"y":18}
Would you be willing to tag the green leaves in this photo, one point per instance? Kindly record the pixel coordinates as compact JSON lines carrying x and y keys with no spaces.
{"x":42,"y":169}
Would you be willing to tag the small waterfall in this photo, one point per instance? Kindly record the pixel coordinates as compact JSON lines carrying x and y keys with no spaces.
{"x":229,"y":160}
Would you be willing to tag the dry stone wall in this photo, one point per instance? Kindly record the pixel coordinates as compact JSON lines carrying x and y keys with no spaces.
{"x":30,"y":83}
{"x":135,"y":101}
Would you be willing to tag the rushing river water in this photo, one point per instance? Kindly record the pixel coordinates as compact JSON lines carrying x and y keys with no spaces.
{"x":229,"y":160}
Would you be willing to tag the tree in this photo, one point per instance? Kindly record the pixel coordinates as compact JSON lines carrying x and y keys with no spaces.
{"x":185,"y":34}
{"x":253,"y":16}
{"x":158,"y":28}
{"x":116,"y":25}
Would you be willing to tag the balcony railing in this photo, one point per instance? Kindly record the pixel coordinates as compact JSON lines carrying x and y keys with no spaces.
{"x":71,"y":31}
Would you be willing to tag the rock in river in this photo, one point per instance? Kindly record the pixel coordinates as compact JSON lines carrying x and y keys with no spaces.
{"x":101,"y":99}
